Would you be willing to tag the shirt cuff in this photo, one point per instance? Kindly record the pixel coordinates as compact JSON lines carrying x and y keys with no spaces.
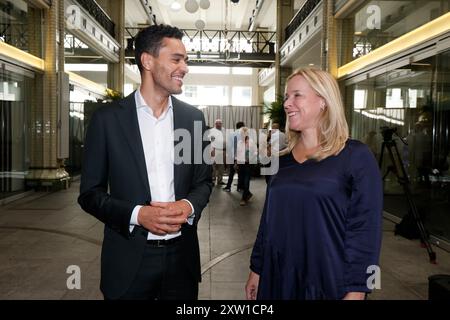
{"x":190,"y":218}
{"x":134,"y":217}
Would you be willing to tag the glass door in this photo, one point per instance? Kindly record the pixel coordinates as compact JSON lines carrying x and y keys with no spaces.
{"x":14,"y":113}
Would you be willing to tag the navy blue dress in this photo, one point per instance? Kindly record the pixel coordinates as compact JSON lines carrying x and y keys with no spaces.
{"x":321,"y":227}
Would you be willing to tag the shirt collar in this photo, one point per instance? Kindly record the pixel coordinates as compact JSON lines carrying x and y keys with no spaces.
{"x":140,"y":103}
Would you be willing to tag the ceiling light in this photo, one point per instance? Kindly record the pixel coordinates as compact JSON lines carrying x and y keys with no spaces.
{"x":200,"y":24}
{"x":204,"y":4}
{"x":191,"y":6}
{"x":175,"y":6}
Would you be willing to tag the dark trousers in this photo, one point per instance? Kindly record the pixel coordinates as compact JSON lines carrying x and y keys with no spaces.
{"x":246,"y":171}
{"x":267,"y":176}
{"x":162,"y":275}
{"x":231,"y":176}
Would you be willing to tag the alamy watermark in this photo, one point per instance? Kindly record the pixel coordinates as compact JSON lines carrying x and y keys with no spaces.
{"x":374,"y":280}
{"x":74,"y":280}
{"x":374,"y":19}
{"x":73,"y":17}
{"x":251,"y":148}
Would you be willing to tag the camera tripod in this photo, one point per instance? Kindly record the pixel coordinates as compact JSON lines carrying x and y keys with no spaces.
{"x":402,"y":177}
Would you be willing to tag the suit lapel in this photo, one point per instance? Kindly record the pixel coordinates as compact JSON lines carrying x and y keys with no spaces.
{"x":178,"y":123}
{"x":127,"y":117}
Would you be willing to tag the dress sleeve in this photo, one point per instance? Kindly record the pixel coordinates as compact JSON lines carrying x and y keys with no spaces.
{"x":256,"y":258}
{"x":363,"y":219}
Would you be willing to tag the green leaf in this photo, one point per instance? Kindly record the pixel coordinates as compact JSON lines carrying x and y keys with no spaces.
{"x":275,"y":111}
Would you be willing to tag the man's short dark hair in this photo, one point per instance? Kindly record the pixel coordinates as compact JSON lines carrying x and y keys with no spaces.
{"x":239,"y":124}
{"x":150,"y":40}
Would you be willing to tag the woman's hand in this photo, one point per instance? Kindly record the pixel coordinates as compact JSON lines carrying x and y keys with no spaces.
{"x":251,"y":288}
{"x":355,"y":296}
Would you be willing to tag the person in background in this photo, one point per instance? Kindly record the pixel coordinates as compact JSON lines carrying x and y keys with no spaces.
{"x":420,"y":143}
{"x":232,"y":148}
{"x":320,"y":229}
{"x":265,"y":150}
{"x":277,"y":138}
{"x":370,"y":139}
{"x":246,"y":157}
{"x":276,"y":143}
{"x":218,"y":144}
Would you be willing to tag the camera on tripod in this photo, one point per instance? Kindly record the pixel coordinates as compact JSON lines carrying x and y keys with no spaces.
{"x":387,"y":132}
{"x":398,"y":168}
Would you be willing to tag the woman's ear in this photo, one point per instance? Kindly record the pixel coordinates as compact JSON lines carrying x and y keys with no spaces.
{"x":322,"y":104}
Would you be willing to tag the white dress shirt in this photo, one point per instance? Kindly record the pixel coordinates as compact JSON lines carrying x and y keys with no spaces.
{"x":158,"y":142}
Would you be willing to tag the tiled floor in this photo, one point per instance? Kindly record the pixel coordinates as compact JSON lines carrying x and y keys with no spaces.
{"x":43,"y":234}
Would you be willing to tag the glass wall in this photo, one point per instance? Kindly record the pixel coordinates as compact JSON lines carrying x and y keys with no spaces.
{"x":376,"y":23}
{"x":15,"y":89}
{"x":81,"y":102}
{"x":204,"y":95}
{"x":241,"y":96}
{"x":414,"y":103}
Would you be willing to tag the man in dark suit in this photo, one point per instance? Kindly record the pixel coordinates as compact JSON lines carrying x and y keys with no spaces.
{"x":133,"y":182}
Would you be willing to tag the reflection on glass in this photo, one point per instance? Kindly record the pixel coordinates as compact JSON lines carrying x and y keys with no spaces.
{"x":20,"y":26}
{"x":376,"y":23}
{"x":416,"y":100}
{"x":79,"y":98}
{"x":14,"y":129}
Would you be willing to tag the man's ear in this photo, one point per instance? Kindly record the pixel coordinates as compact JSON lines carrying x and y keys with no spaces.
{"x":146,"y":60}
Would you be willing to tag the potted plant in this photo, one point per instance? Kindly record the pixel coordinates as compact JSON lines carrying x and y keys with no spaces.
{"x":275,"y":111}
{"x":112,"y":95}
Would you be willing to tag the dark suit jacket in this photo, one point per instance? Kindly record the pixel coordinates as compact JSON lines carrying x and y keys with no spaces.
{"x":114,"y":159}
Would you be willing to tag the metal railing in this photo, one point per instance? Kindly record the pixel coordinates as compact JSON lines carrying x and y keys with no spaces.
{"x":98,"y":14}
{"x":221,"y":47}
{"x":301,"y":16}
{"x":221,"y":41}
{"x":15,"y":34}
{"x":362,"y":45}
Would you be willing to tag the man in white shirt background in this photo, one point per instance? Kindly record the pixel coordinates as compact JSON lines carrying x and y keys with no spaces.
{"x":231,"y":158}
{"x":217,"y":138}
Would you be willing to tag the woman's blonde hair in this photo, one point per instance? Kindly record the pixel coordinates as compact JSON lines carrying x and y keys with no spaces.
{"x":333,"y":128}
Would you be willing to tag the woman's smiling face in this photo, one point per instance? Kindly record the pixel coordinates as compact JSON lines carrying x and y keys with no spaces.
{"x":302,"y":105}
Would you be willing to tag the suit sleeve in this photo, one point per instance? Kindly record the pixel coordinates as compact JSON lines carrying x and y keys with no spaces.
{"x":363,"y":220}
{"x":94,"y":197}
{"x":201,"y":185}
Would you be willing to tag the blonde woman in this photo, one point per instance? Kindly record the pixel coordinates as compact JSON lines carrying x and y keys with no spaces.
{"x":320,"y":229}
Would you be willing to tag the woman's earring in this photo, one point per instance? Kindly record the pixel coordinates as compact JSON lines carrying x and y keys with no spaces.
{"x":322,"y":107}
